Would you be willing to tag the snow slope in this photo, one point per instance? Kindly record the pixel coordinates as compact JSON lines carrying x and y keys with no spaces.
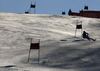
{"x":60,"y":49}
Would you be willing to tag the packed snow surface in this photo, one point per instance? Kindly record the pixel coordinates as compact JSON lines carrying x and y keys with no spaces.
{"x":60,"y":50}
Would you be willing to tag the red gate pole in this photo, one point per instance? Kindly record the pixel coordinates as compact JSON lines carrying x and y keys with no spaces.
{"x":29,"y":51}
{"x":38,"y":55}
{"x":39,"y":52}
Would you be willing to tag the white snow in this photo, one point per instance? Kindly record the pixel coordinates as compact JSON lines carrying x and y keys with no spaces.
{"x":60,"y":50}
